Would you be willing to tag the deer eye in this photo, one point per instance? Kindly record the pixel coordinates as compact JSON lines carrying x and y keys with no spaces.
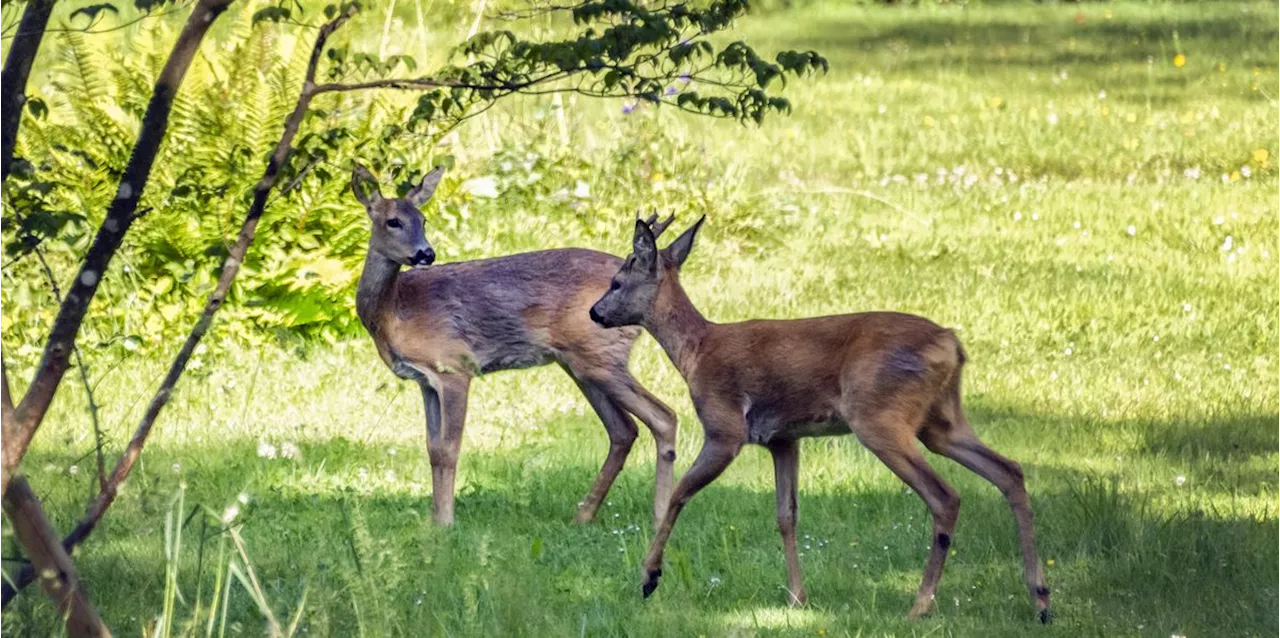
{"x":614,"y":285}
{"x":394,"y":223}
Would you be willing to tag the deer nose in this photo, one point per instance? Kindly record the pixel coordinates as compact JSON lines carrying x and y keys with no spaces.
{"x":423,"y":257}
{"x":595,"y":316}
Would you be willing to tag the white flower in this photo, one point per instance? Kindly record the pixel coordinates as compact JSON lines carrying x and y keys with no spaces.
{"x":289,"y":450}
{"x":715,"y":580}
{"x":73,"y":470}
{"x":882,"y":109}
{"x":486,"y":187}
{"x":230,"y":514}
{"x":1132,"y":230}
{"x":1245,"y":171}
{"x":1052,"y":119}
{"x":1192,"y":173}
{"x":1102,"y":95}
{"x":1017,"y":216}
{"x":1067,"y":352}
{"x":1228,"y":243}
{"x":243,"y":498}
{"x":1180,"y":481}
{"x":177,"y":467}
{"x":1219,"y":220}
{"x":582,"y":190}
{"x":266,"y":450}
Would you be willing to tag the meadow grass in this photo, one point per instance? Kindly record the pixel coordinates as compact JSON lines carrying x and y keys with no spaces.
{"x":1097,"y":222}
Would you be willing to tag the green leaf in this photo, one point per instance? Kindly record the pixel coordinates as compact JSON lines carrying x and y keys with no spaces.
{"x":37,"y":108}
{"x":271,"y":14}
{"x":93,"y":10}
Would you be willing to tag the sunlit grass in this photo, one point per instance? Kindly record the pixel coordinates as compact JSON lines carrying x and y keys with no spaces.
{"x":1097,"y":221}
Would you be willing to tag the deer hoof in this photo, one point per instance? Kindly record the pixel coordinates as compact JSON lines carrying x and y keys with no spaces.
{"x":651,"y":581}
{"x":920,"y":610}
{"x":1046,"y":616}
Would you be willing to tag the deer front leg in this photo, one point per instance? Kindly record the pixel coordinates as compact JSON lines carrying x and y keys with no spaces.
{"x":716,"y":455}
{"x":446,"y":407}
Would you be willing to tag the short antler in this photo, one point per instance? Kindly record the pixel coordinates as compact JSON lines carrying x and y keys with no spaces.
{"x":655,"y":226}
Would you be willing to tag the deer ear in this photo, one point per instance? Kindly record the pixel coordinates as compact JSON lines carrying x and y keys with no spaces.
{"x":426,"y":188}
{"x":645,"y":246}
{"x":678,"y":250}
{"x":365,"y":186}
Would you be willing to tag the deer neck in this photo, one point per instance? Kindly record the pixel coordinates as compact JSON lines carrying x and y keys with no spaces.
{"x":373,"y":292}
{"x":676,"y":324}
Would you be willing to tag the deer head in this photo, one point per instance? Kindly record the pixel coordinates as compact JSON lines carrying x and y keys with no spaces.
{"x":633,"y":290}
{"x":398,"y":232}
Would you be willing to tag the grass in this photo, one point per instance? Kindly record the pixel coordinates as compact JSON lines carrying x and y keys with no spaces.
{"x":1043,"y":178}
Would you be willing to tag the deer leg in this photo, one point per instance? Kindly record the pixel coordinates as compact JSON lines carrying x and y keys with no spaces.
{"x":661,"y":421}
{"x":786,"y":470}
{"x":446,"y":407}
{"x":622,"y":434}
{"x":962,"y":446}
{"x":944,"y":505}
{"x":716,"y":455}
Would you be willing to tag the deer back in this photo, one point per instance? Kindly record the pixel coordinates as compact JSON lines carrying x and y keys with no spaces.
{"x":503,"y":313}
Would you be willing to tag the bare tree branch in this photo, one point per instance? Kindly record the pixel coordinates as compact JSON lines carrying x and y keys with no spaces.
{"x":36,"y":536}
{"x":13,"y":79}
{"x":30,"y":411}
{"x":230,"y":267}
{"x":58,"y":574}
{"x":84,"y":377}
{"x":6,"y":400}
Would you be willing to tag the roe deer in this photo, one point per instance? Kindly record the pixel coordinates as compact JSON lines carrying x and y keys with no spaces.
{"x":888,"y":377}
{"x":441,"y":326}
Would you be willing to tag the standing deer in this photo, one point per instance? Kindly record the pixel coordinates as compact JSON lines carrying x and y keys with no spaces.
{"x":444,"y":325}
{"x":890,"y":378}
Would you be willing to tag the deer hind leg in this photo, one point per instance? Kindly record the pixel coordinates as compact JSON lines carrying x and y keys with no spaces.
{"x":786,"y":470}
{"x":622,"y":434}
{"x":948,"y":433}
{"x":888,"y":435}
{"x":446,"y":407}
{"x":628,"y":394}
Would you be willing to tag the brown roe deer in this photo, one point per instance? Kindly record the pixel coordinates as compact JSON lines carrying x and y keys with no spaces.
{"x":889,"y":378}
{"x":444,"y":325}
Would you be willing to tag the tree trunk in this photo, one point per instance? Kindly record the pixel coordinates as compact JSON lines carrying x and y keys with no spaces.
{"x":58,"y":574}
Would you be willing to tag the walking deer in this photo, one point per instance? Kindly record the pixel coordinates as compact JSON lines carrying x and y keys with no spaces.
{"x":889,"y":378}
{"x":444,"y":325}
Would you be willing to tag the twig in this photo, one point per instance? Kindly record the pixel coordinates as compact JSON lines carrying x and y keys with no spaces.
{"x":84,"y":377}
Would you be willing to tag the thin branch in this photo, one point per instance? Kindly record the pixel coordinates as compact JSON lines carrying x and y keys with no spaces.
{"x":13,"y":79}
{"x":88,"y":29}
{"x":84,"y":374}
{"x":6,"y":399}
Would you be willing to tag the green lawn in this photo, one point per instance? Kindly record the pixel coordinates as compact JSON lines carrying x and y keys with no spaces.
{"x":1098,"y":223}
